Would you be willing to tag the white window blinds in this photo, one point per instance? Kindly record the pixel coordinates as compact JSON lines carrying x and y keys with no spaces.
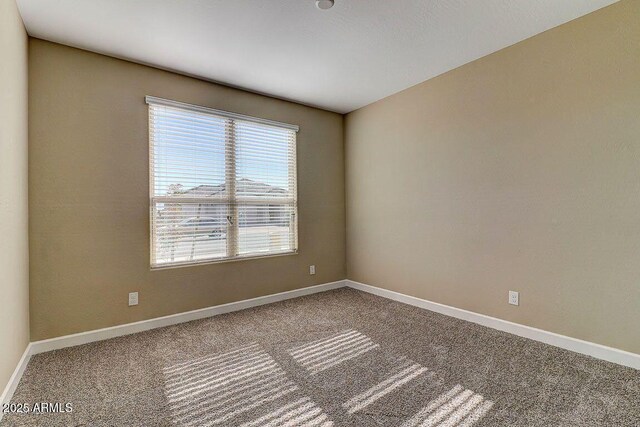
{"x":223,"y":186}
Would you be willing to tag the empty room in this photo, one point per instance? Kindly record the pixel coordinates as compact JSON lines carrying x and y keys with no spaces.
{"x":264,"y":213}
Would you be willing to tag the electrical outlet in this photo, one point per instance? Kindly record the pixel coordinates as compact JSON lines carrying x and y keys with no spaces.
{"x":312,"y":270}
{"x":514,"y":298}
{"x":133,"y":298}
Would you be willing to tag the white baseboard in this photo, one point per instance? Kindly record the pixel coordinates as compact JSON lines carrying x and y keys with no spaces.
{"x":174,"y":319}
{"x":598,"y":351}
{"x":11,"y":386}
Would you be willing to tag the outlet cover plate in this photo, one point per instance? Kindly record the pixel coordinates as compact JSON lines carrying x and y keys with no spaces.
{"x":133,"y":298}
{"x":514,"y":298}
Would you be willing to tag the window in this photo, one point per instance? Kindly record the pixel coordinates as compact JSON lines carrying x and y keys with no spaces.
{"x":222,"y":185}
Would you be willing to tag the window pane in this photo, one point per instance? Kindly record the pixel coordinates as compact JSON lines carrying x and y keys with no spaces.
{"x":185,"y":232}
{"x":264,"y":161}
{"x":265,"y":229}
{"x":187,"y":153}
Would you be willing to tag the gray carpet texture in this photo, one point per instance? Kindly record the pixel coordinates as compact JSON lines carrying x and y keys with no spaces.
{"x":337,"y":358}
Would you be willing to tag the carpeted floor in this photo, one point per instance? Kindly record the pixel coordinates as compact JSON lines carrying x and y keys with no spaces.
{"x":339,"y":358}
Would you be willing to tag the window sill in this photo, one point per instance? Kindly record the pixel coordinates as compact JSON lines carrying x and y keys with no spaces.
{"x":220,"y":261}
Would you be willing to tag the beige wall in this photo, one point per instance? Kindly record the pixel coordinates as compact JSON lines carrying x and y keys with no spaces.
{"x":518,"y":171}
{"x":14,"y":253}
{"x":89,"y":192}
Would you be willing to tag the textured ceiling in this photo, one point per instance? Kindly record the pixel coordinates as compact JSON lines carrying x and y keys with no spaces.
{"x":340,"y":59}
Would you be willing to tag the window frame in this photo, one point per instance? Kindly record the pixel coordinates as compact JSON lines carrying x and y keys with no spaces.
{"x":230,"y":199}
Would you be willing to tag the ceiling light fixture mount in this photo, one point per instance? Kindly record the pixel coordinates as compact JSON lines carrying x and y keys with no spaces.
{"x":324,"y":4}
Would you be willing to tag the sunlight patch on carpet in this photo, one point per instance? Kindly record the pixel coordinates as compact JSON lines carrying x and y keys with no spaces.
{"x":326,"y":353}
{"x":385,"y":387}
{"x":457,"y":407}
{"x":213,"y":390}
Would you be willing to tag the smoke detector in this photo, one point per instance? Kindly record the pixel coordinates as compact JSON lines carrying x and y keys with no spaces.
{"x":324,"y":4}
